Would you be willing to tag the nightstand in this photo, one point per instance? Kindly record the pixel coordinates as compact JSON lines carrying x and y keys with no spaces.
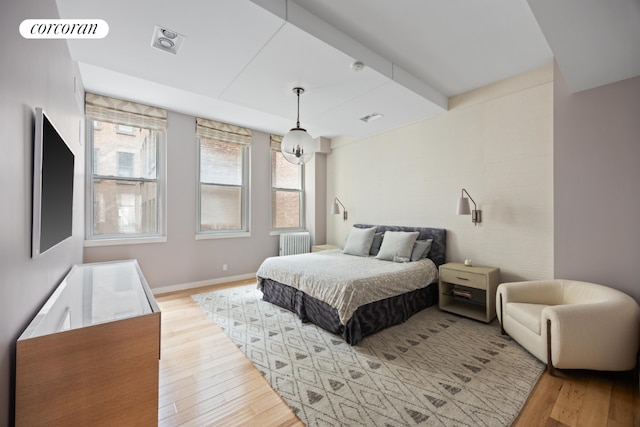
{"x":318,"y":248}
{"x":469,"y":291}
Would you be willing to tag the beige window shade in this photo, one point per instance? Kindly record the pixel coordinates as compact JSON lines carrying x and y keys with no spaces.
{"x":222,"y":131}
{"x":113,"y":110}
{"x":276,"y":141}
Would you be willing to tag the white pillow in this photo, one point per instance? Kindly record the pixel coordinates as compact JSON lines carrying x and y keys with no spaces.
{"x":359,"y":241}
{"x":397,"y":244}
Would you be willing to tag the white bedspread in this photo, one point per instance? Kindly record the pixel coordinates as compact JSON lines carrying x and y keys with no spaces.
{"x":346,"y":282}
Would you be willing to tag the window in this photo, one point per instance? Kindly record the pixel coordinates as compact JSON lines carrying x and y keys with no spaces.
{"x":287,"y":183}
{"x":125,"y":164}
{"x":125,"y":189}
{"x":223,"y":175}
{"x":126,"y":130}
{"x":221,"y":185}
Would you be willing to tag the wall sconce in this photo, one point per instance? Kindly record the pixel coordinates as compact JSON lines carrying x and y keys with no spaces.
{"x":336,"y":209}
{"x":463,"y":208}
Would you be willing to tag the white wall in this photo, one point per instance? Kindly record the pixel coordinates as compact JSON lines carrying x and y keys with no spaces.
{"x":34,"y":73}
{"x":497,"y":142}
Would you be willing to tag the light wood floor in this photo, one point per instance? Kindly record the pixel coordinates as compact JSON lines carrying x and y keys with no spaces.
{"x":205,"y":380}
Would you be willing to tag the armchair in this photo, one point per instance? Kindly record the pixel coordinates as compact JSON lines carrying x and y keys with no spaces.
{"x":570,"y":324}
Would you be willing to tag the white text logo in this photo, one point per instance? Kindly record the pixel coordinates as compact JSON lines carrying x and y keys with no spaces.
{"x":64,"y":28}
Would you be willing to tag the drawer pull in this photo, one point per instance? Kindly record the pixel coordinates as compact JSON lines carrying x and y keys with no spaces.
{"x":461,"y":278}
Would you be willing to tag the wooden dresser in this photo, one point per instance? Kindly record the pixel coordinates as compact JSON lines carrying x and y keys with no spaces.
{"x":91,"y":355}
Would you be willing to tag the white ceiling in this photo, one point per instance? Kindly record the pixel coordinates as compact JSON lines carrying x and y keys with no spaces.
{"x":595,"y":42}
{"x":241,"y":59}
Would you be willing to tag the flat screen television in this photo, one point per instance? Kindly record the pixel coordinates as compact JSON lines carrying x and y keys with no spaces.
{"x":53,"y":164}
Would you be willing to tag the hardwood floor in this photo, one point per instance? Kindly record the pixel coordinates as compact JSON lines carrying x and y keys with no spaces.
{"x":583,"y":398}
{"x":205,"y":380}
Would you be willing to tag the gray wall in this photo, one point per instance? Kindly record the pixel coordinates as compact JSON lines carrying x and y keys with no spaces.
{"x":315,"y":182}
{"x":183,"y":261}
{"x":34,"y":73}
{"x":597,"y":184}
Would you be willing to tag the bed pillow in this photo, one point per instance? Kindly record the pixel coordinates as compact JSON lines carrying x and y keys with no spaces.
{"x":421,"y":249}
{"x":375,"y":246}
{"x":359,"y":241}
{"x":397,"y":243}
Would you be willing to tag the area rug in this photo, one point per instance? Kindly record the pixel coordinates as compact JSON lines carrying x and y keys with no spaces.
{"x":436,"y":369}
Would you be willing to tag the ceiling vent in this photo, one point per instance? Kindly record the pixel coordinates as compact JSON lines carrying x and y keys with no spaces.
{"x":166,"y":40}
{"x":371,"y":117}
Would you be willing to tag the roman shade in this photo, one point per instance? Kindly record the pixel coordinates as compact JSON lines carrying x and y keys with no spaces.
{"x":276,"y":141}
{"x":206,"y":128}
{"x":114,"y":110}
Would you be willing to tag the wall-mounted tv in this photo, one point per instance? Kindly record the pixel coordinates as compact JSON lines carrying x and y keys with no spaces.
{"x":53,"y":163}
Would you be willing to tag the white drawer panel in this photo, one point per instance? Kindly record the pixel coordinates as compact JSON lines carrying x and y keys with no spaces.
{"x":463,"y":278}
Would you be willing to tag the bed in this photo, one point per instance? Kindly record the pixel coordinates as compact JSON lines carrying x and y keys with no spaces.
{"x":355,"y":296}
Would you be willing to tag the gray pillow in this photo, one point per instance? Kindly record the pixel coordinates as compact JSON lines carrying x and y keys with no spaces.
{"x":375,"y":246}
{"x":359,"y":241}
{"x":421,"y":249}
{"x":397,"y":243}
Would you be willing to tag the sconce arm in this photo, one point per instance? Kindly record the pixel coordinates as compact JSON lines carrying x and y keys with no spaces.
{"x":470,"y":198}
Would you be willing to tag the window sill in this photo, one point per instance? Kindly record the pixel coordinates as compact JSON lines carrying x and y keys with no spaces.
{"x":208,"y":236}
{"x":289,"y":230}
{"x":124,"y":241}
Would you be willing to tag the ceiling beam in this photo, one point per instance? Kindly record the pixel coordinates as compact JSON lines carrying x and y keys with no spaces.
{"x":306,"y":21}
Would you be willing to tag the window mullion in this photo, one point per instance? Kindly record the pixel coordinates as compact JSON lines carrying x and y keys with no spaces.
{"x":222,"y":185}
{"x":122,"y":178}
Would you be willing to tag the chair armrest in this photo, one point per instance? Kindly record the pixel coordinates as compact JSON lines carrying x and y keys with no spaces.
{"x":607,"y":321}
{"x":599,"y":335}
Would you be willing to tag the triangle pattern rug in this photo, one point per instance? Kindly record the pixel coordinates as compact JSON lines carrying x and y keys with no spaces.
{"x":435,"y":369}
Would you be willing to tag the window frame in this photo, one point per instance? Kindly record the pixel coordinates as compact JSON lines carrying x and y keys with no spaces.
{"x":160,"y":235}
{"x":244,"y":231}
{"x":302,"y":226}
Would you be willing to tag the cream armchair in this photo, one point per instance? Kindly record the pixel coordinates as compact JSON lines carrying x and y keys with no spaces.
{"x":570,"y":324}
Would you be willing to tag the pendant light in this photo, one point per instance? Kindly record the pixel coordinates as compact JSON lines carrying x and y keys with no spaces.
{"x":297,"y":145}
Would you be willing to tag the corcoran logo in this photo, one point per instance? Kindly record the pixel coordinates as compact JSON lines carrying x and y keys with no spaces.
{"x":64,"y":29}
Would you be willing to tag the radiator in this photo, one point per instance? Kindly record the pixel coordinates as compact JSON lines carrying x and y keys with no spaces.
{"x":295,"y":243}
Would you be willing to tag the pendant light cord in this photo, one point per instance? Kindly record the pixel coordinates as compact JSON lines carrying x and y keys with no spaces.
{"x":298,"y":120}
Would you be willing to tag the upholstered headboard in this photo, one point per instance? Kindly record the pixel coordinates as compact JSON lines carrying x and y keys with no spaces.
{"x":439,"y":235}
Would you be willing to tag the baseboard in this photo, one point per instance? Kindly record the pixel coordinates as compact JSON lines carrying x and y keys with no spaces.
{"x":201,"y":283}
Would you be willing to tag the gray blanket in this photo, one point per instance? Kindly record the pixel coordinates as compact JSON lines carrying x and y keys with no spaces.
{"x":346,"y":282}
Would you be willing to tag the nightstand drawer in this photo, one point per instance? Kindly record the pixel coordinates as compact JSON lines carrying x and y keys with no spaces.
{"x":463,"y":278}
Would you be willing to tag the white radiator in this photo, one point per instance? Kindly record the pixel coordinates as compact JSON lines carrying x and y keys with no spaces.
{"x":295,"y":243}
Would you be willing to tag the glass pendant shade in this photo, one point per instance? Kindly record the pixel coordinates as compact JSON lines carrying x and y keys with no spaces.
{"x":297,"y":146}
